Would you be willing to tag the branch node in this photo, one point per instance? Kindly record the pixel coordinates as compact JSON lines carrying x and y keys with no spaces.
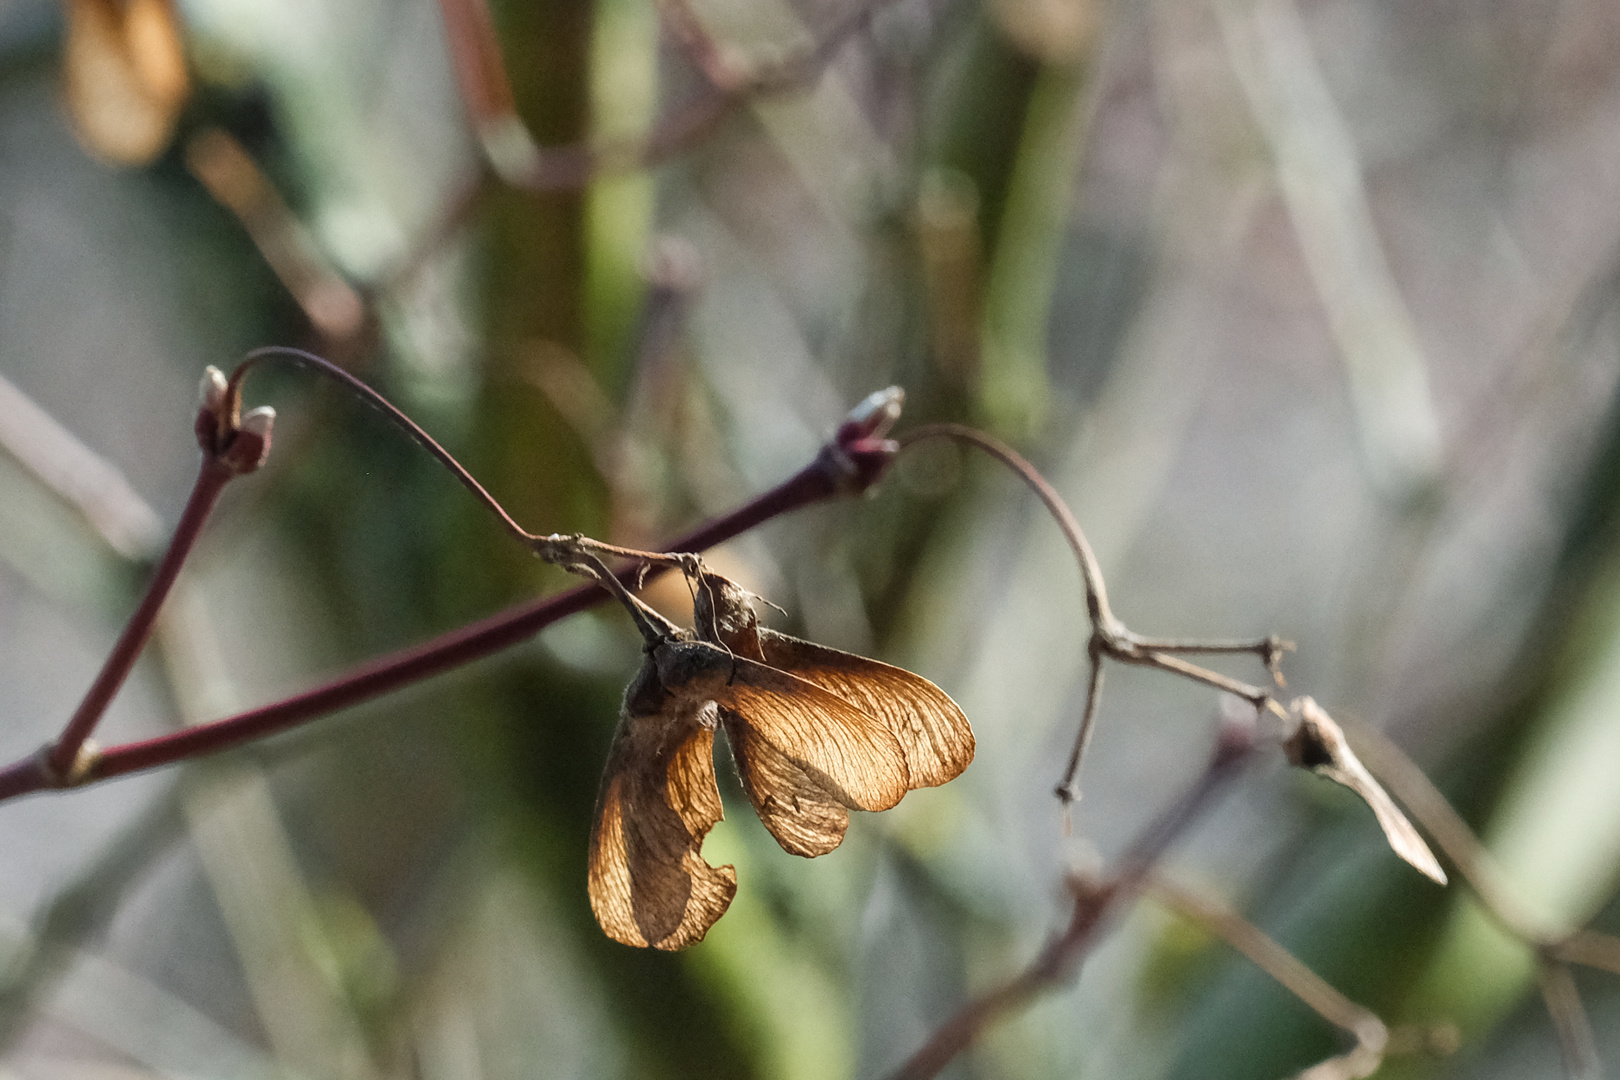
{"x":82,"y":771}
{"x":240,"y":443}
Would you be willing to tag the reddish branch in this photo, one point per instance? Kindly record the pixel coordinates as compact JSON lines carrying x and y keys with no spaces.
{"x":62,"y":762}
{"x":849,"y":463}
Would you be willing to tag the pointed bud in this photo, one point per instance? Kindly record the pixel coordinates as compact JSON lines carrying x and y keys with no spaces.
{"x":211,"y":391}
{"x":874,"y":416}
{"x":858,"y":454}
{"x":250,"y":445}
{"x":210,"y":404}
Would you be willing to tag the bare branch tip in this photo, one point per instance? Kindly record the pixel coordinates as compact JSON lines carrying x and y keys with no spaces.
{"x":859,"y":453}
{"x":241,"y":443}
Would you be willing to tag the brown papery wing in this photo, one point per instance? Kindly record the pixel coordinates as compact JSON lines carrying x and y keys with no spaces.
{"x":805,"y":755}
{"x":648,"y":883}
{"x":791,"y":800}
{"x":933,"y":733}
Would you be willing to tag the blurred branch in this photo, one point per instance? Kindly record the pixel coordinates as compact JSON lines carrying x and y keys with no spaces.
{"x":517,"y":160}
{"x":78,"y":476}
{"x":224,"y":167}
{"x":1554,"y":950}
{"x":1374,"y":1039}
{"x":1094,"y":902}
{"x":1450,"y":833}
{"x":81,"y":910}
{"x":1573,"y":1026}
{"x":1320,"y":176}
{"x":244,"y":851}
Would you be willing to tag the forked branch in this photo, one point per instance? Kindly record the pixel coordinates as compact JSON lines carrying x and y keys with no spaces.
{"x":1313,"y":740}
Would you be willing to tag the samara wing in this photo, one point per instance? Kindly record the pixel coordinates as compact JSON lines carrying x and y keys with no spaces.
{"x":806,"y":756}
{"x":933,"y":733}
{"x":648,"y":882}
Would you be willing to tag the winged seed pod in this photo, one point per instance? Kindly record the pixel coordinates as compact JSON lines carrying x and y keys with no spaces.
{"x":812,"y":740}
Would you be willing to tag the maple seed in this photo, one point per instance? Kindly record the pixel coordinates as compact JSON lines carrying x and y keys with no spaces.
{"x":814,"y":733}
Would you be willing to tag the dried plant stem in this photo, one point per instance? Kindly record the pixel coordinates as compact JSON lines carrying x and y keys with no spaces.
{"x":387,"y":408}
{"x":1090,"y":572}
{"x":1094,"y":903}
{"x":1570,"y":1022}
{"x":1311,"y":989}
{"x":1109,"y":637}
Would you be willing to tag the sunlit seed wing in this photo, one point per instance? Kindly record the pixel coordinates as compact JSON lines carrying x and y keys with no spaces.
{"x":804,"y":754}
{"x":791,"y":801}
{"x":648,"y":882}
{"x":853,"y":755}
{"x":1320,"y":746}
{"x":933,"y":733}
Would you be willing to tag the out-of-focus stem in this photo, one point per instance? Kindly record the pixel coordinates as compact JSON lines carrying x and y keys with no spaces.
{"x":1094,"y":903}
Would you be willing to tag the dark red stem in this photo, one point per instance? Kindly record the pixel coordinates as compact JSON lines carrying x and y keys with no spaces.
{"x":852,"y":462}
{"x":60,"y":758}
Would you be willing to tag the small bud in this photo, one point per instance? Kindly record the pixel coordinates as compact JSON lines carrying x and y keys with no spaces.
{"x":250,"y":445}
{"x":210,"y":404}
{"x":858,"y":454}
{"x":211,"y":391}
{"x":875,"y":416}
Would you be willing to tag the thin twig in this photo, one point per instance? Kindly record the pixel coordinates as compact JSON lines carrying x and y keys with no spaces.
{"x":1315,"y":741}
{"x":1094,"y":902}
{"x":78,"y":475}
{"x":1573,"y":1026}
{"x":224,"y":167}
{"x":1589,"y":948}
{"x":1375,"y":1040}
{"x":1067,"y":792}
{"x":1310,"y":988}
{"x":1090,"y":572}
{"x":1109,"y":636}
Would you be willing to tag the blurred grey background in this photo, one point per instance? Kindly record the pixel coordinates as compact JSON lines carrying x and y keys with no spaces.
{"x":1307,"y":309}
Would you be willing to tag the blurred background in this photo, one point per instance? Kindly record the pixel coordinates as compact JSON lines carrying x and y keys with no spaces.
{"x":1309,"y":309}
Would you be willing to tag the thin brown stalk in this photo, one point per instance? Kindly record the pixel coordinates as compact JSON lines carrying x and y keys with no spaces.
{"x":1576,"y":1042}
{"x":1109,"y":637}
{"x":1263,"y":951}
{"x":1094,"y":902}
